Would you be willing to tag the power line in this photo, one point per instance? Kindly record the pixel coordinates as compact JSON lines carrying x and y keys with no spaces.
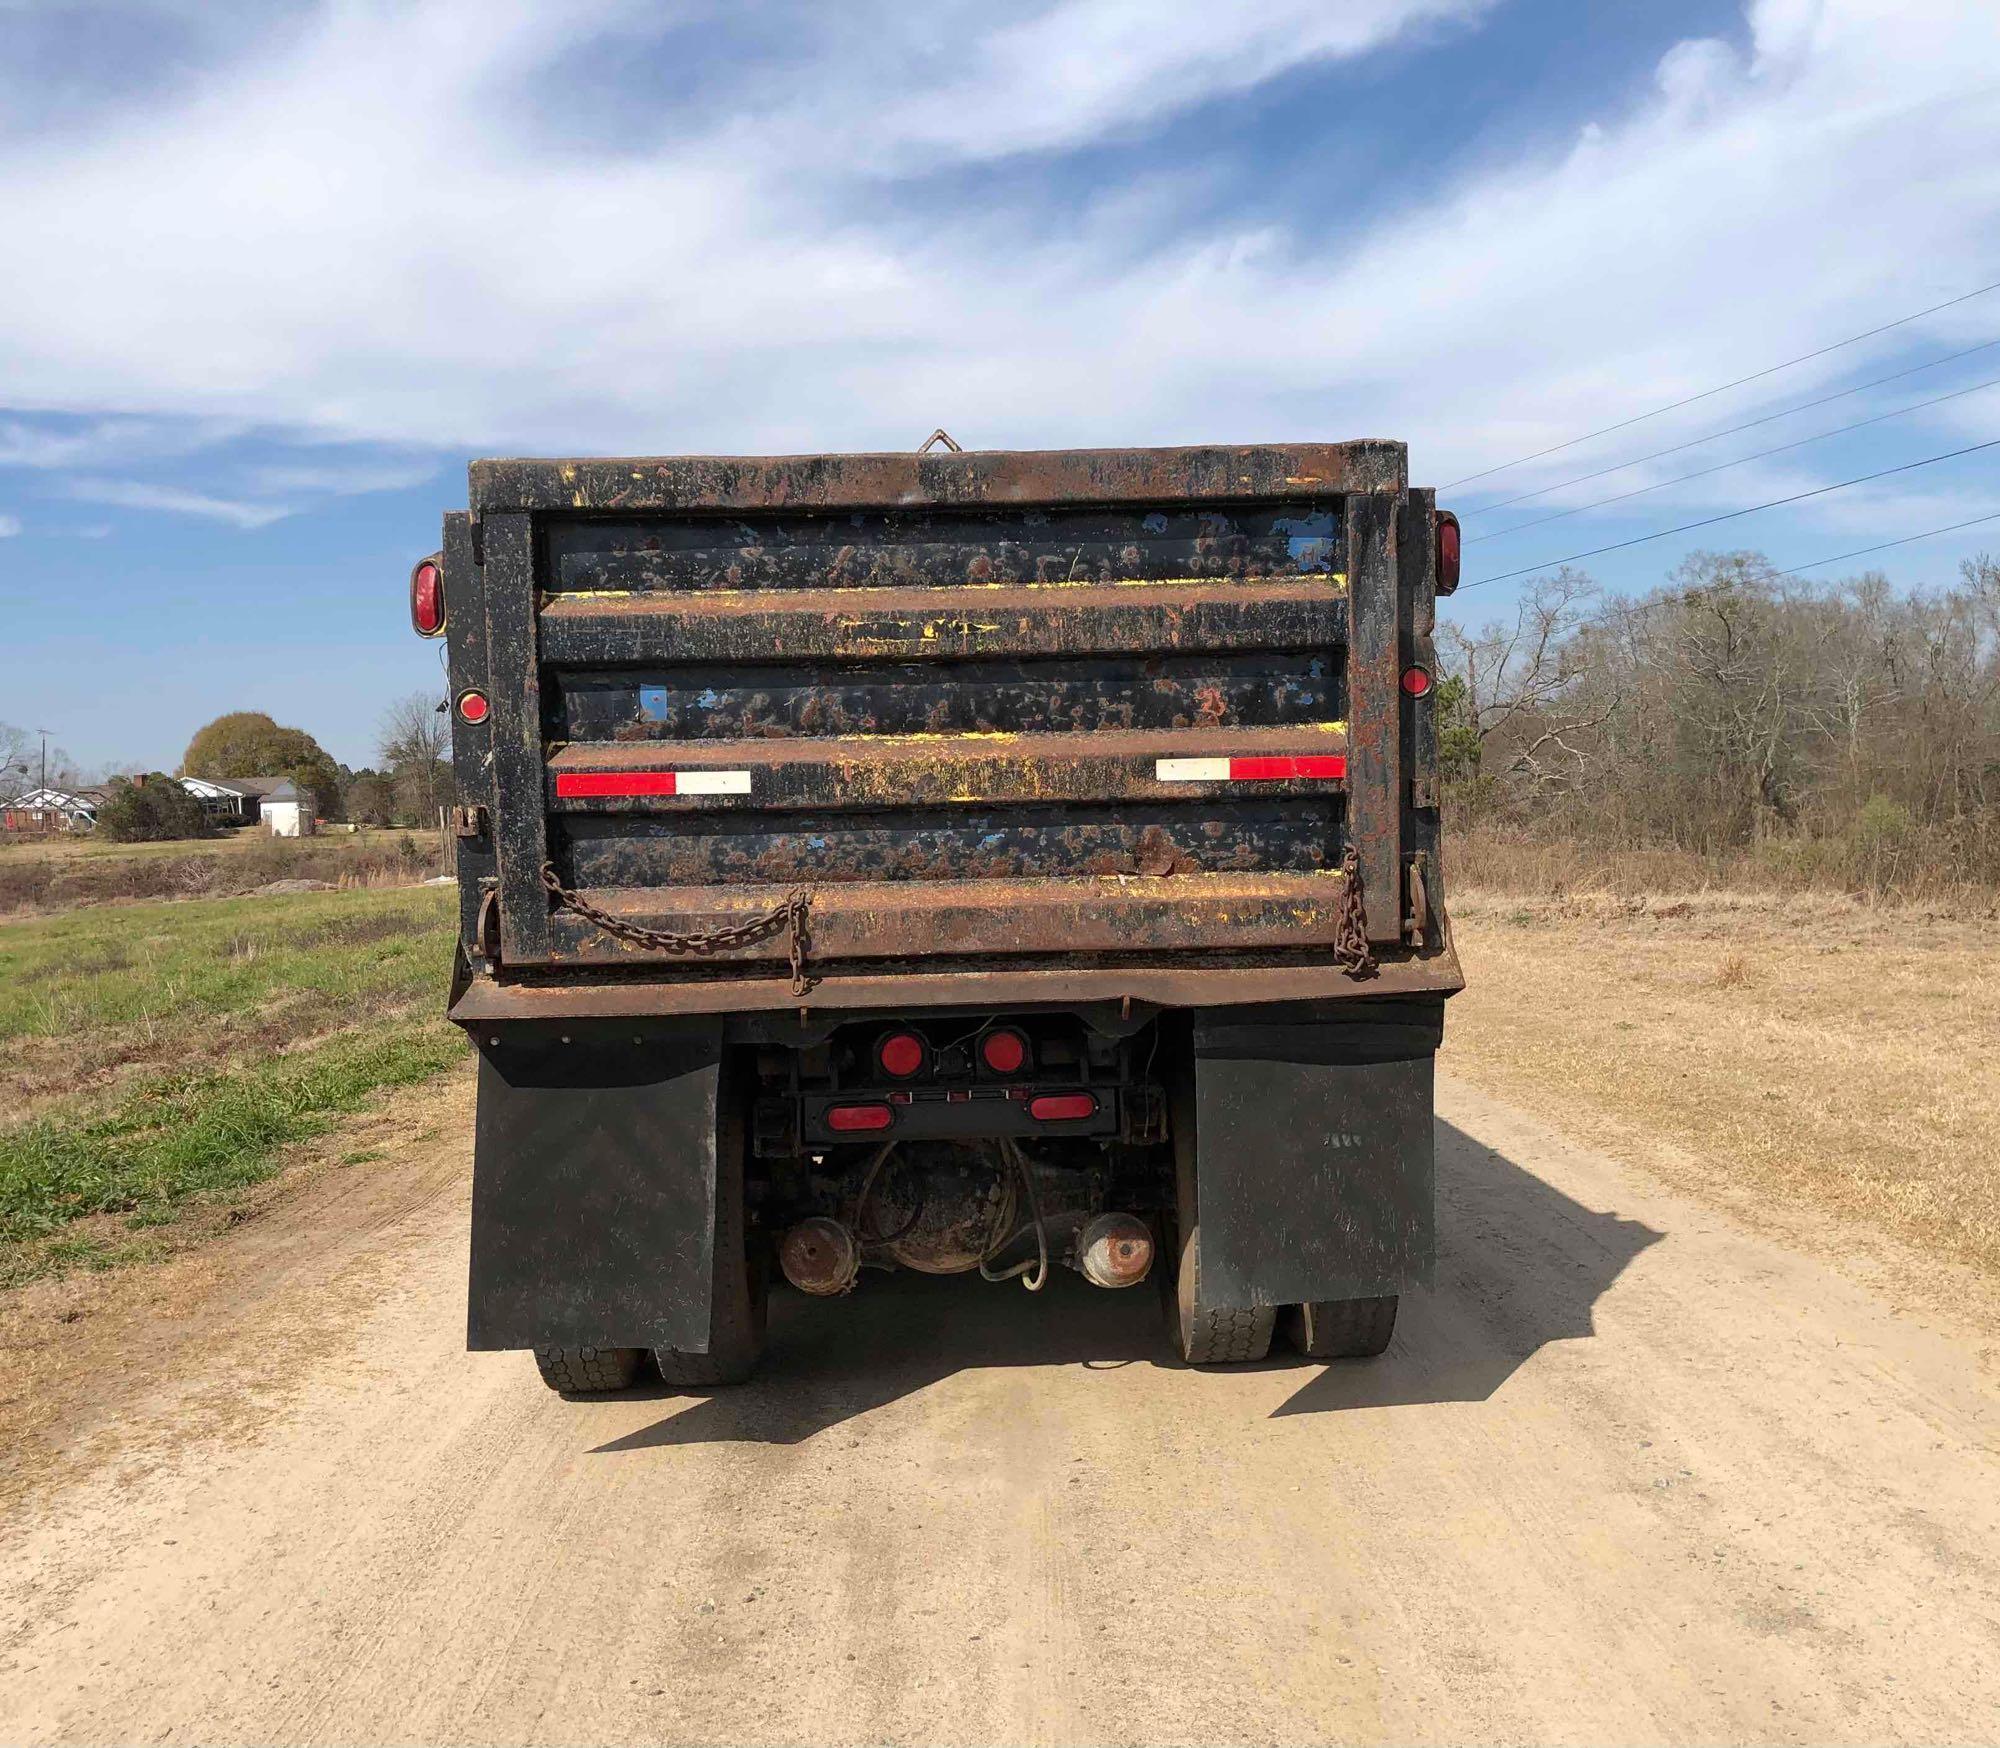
{"x":1726,"y":431}
{"x":1620,"y":610}
{"x":1732,"y":515}
{"x":1741,"y":460}
{"x":1724,"y":388}
{"x":1907,"y":540}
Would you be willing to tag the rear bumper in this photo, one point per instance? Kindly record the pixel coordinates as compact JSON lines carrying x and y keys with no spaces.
{"x":493,"y":1000}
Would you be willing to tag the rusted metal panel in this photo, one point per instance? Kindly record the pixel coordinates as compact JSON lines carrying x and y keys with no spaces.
{"x":1015,"y":843}
{"x":997,"y":620}
{"x":995,"y":476}
{"x":881,"y":919}
{"x":1375,"y":699}
{"x":896,"y":771}
{"x":1417,"y":550}
{"x":984,"y":671}
{"x":815,"y":700}
{"x":1055,"y":983}
{"x":513,"y":735}
{"x":945,"y":548}
{"x":472,"y":772}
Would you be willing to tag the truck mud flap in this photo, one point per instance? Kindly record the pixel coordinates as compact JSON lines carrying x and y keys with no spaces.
{"x":1315,"y":1158}
{"x":593,"y":1195}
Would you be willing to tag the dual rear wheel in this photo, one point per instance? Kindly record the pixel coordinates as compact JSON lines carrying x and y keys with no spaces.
{"x":738,"y":1288}
{"x":1206,"y":1334}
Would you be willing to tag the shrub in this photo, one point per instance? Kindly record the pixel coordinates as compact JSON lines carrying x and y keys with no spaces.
{"x":149,"y":810}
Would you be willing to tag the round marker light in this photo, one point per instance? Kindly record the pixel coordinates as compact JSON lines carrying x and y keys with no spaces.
{"x":1417,"y":682}
{"x":900,"y":1055}
{"x":1004,"y":1051}
{"x":473,"y":707}
{"x":427,"y":598}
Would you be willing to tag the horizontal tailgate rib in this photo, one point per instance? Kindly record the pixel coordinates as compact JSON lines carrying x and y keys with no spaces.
{"x":905,"y":771}
{"x":1012,"y":619}
{"x":890,"y":918}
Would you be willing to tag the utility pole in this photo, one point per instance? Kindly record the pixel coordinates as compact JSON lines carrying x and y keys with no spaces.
{"x":44,"y":733}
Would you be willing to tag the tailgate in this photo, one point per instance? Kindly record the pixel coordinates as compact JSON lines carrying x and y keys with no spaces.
{"x":984,"y":708}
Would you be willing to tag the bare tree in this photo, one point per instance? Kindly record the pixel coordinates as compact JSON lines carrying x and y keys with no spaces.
{"x":1522,"y":696}
{"x":1846,"y":726}
{"x":414,"y":749}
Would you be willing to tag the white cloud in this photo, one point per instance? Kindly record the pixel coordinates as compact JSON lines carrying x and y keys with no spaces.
{"x":338,"y":235}
{"x":102,"y":442}
{"x":142,"y":495}
{"x":1087,"y":69}
{"x":337,"y":479}
{"x":9,"y":526}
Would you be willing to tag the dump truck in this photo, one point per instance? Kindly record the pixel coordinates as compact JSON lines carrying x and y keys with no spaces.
{"x":969,"y":862}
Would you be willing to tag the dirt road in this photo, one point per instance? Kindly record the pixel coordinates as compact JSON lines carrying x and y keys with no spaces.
{"x":1630,"y":1473}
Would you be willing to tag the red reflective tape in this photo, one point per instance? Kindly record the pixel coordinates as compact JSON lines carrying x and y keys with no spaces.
{"x":577,"y":784}
{"x":1306,"y":765}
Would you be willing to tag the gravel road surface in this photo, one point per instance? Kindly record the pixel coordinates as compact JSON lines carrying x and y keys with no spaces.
{"x":1633,"y":1472}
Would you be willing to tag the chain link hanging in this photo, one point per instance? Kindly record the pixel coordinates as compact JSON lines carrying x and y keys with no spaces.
{"x":1350,"y":928}
{"x":793,"y":915}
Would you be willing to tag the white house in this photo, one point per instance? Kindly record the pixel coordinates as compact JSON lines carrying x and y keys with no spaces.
{"x":273,"y":802}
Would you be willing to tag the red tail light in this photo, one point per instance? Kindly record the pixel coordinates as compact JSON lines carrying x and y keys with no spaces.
{"x":848,"y":1118}
{"x":1004,"y":1051}
{"x":1447,"y":555}
{"x":1416,"y":682}
{"x":473,"y":707}
{"x":901,"y":1055}
{"x":427,"y":598}
{"x":1062,"y":1107}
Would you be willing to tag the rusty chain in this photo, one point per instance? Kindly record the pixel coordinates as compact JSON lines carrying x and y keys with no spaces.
{"x":1350,"y":928}
{"x":793,"y":915}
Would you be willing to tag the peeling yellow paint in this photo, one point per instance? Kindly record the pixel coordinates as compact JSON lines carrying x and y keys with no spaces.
{"x":928,"y":739}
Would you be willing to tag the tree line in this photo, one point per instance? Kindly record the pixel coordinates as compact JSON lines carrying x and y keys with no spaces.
{"x":1848,"y":729}
{"x":410,"y":781}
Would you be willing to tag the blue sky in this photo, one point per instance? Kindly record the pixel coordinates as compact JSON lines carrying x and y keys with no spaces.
{"x":270,"y":275}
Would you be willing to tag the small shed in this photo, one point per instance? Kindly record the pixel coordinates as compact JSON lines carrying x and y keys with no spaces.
{"x":287,"y":811}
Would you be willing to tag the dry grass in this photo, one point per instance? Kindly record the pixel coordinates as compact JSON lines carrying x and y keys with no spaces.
{"x":1771,"y":1051}
{"x":1492,"y":858}
{"x":43,"y":876}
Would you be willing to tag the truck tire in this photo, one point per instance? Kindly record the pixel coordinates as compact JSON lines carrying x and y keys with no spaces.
{"x":1202,"y":1334}
{"x":1341,"y":1329}
{"x":1211,"y":1335}
{"x":741,"y":1274}
{"x":583,"y":1371}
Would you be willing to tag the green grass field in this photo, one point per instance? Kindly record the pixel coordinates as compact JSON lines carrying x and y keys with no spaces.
{"x":154,"y":1056}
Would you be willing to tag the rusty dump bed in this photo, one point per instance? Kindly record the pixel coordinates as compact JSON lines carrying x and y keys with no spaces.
{"x":1018,"y":726}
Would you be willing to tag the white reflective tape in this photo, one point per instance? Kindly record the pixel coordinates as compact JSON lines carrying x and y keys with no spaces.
{"x":711,"y":782}
{"x":1191,"y":770}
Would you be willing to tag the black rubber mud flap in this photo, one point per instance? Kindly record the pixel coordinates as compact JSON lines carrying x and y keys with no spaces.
{"x":593,"y":1190}
{"x":1316,"y":1162}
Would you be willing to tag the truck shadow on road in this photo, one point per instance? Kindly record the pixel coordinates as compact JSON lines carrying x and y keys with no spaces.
{"x":1520,"y":1265}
